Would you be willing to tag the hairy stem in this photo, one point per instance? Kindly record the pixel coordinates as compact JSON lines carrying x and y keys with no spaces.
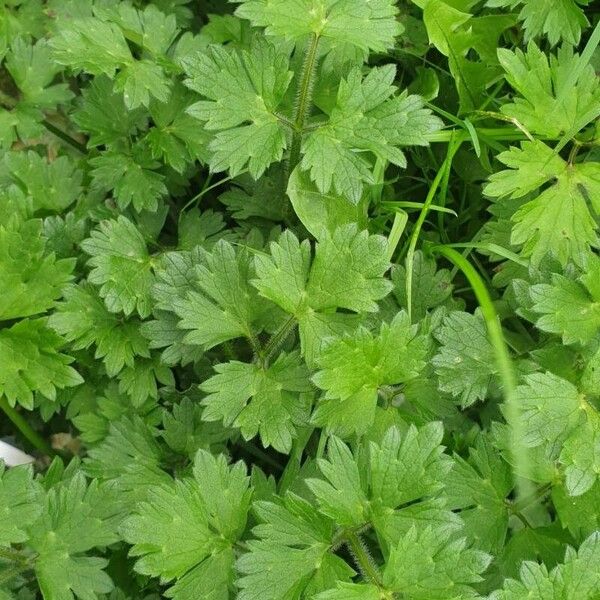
{"x":25,"y":428}
{"x":367,"y":567}
{"x":278,"y":338}
{"x":14,"y":556}
{"x":302,"y":108}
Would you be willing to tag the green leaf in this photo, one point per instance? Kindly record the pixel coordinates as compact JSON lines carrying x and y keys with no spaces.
{"x":242,"y":90}
{"x":557,"y":20}
{"x":430,"y":287}
{"x":53,"y":185}
{"x":545,"y":107}
{"x":402,"y":469}
{"x":478,"y":487}
{"x":153,"y":28}
{"x":226,"y":305}
{"x":129,"y":457}
{"x":121,"y":266}
{"x":83,"y":319}
{"x":356,"y":366}
{"x":141,"y":80}
{"x":291,"y":554}
{"x":33,"y":71}
{"x":32,"y":279}
{"x":91,"y":45}
{"x":367,"y":119}
{"x":19,"y":498}
{"x":550,"y":408}
{"x":470,"y":44}
{"x":31,"y":361}
{"x":351,"y":591}
{"x":186,"y":530}
{"x":575,"y":578}
{"x":271,"y":401}
{"x":75,"y":519}
{"x":369,"y":26}
{"x":581,"y":454}
{"x":132,"y":181}
{"x":570,"y":308}
{"x":321,"y":213}
{"x":347,"y":272}
{"x":104,"y":116}
{"x":557,"y":220}
{"x":430,"y":564}
{"x":465,"y":363}
{"x":175,"y":277}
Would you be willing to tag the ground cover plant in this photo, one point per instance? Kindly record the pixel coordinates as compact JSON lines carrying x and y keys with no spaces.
{"x":300,"y":299}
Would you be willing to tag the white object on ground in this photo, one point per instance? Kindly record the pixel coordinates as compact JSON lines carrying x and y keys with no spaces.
{"x":13,"y":456}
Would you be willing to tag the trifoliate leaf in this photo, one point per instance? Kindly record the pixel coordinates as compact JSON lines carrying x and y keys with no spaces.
{"x":479,"y":488}
{"x":465,"y":363}
{"x":129,"y":456}
{"x":402,"y":469}
{"x":430,"y":564}
{"x":175,"y":277}
{"x":19,"y":499}
{"x":557,"y":220}
{"x":33,"y":71}
{"x":576,"y":577}
{"x":243,"y":91}
{"x":75,"y":519}
{"x":32,"y":279}
{"x":291,"y":553}
{"x":53,"y":185}
{"x":546,"y":108}
{"x":91,"y":45}
{"x":550,"y":408}
{"x":367,"y":118}
{"x":177,"y":138}
{"x":104,"y":116}
{"x":132,"y":182}
{"x":320,"y":213}
{"x":140,"y":379}
{"x":356,"y":366}
{"x":369,"y":26}
{"x":31,"y":361}
{"x":83,"y":319}
{"x":570,"y":308}
{"x":152,"y":28}
{"x":269,"y":401}
{"x":226,"y":306}
{"x":581,"y":454}
{"x":186,"y":531}
{"x":558,"y":20}
{"x":121,"y":266}
{"x":347,"y":272}
{"x":141,"y":80}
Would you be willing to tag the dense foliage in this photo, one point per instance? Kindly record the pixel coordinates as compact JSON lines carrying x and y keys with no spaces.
{"x":300,"y":299}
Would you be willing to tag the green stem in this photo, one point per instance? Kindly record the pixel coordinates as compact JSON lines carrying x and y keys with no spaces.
{"x":278,"y":338}
{"x":9,"y":103}
{"x":504,"y":134}
{"x":367,"y":567}
{"x":453,"y":146}
{"x":502,"y":357}
{"x":65,"y":137}
{"x":260,"y":454}
{"x":25,"y":428}
{"x":302,"y":109}
{"x":13,"y":555}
